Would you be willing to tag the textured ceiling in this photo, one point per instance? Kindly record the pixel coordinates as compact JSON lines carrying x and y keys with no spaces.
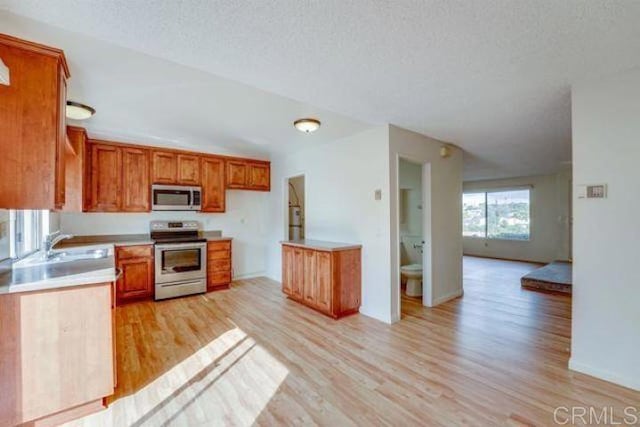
{"x":490,"y":76}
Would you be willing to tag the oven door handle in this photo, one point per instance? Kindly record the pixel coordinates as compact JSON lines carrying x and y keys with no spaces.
{"x":182,"y":246}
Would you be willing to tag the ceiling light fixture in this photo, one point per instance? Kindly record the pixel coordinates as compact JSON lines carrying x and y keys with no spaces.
{"x":307,"y":125}
{"x":77,"y":111}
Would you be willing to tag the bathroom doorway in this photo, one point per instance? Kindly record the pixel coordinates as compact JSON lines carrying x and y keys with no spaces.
{"x":296,"y":208}
{"x":414,"y":227}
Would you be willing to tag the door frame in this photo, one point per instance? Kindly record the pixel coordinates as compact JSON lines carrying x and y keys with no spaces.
{"x":285,"y":202}
{"x":427,"y":250}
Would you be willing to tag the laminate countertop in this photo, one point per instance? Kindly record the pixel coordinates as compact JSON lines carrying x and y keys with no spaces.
{"x":321,"y":245}
{"x":128,"y":239}
{"x":58,"y":275}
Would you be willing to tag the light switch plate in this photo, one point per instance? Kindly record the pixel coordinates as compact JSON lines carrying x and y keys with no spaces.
{"x":378,"y":194}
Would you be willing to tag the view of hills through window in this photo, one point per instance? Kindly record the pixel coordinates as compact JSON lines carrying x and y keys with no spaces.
{"x":497,"y":214}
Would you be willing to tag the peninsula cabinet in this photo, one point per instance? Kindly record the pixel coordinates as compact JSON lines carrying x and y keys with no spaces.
{"x":57,"y":350}
{"x":32,"y":125}
{"x":325,"y":276}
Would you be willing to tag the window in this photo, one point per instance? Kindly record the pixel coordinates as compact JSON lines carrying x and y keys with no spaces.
{"x":27,"y":231}
{"x":497,"y":214}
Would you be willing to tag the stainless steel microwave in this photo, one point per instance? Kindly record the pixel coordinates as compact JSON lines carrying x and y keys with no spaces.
{"x":175,"y":198}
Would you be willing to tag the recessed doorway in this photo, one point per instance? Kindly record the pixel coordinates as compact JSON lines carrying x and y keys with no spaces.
{"x":296,"y":208}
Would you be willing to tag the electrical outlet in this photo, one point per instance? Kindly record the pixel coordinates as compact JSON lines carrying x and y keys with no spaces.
{"x":378,"y":194}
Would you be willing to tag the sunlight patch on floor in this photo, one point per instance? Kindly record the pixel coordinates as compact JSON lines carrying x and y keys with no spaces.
{"x":227,"y":382}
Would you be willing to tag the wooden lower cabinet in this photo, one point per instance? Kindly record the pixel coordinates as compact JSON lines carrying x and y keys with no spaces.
{"x":327,"y":280}
{"x":136,"y":264}
{"x":218,"y":264}
{"x":57,"y":354}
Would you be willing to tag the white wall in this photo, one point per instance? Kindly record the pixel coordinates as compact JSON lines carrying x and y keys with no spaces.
{"x":550,"y":237}
{"x":341,"y":178}
{"x":4,"y":234}
{"x":244,"y":220}
{"x":606,"y":294}
{"x":443,"y":207}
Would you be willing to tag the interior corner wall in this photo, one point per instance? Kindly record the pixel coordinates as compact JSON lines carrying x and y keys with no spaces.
{"x":446,"y":213}
{"x":341,"y":178}
{"x":606,"y":294}
{"x":550,"y":221}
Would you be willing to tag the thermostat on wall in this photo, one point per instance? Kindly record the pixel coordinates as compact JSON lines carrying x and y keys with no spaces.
{"x":596,"y":191}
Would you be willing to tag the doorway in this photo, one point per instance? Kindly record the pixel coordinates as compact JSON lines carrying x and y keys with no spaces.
{"x":296,"y":208}
{"x":414,"y":232}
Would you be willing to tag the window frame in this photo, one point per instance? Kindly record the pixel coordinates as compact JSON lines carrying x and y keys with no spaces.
{"x":39,"y":229}
{"x":486,"y":212}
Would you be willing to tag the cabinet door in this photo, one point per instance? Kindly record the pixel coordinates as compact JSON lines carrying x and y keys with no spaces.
{"x":60,"y":191}
{"x":137,"y":279}
{"x":309,"y":286}
{"x":298,"y":273}
{"x":287,"y":269}
{"x":135,"y":180}
{"x":213,"y":191}
{"x":324,"y":291}
{"x":236,"y":174}
{"x":164,"y":168}
{"x":106,"y":168}
{"x":259,"y":176}
{"x":188,"y":169}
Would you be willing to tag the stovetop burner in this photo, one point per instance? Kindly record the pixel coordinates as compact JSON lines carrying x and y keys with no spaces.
{"x":175,"y":232}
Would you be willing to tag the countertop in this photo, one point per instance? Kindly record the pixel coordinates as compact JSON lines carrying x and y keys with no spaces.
{"x":321,"y":245}
{"x":58,"y":275}
{"x":128,"y":239}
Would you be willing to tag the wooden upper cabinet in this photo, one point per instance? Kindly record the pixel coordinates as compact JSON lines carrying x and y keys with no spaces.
{"x":236,"y":174}
{"x":188,"y":169}
{"x":32,"y":126}
{"x":164,"y":167}
{"x":106,"y":183}
{"x":213,"y":189}
{"x":135,"y":180}
{"x":259,"y":176}
{"x":248,"y":175}
{"x":75,"y":154}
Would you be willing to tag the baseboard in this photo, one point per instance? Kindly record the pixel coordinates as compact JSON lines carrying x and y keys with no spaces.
{"x":250,"y":275}
{"x":448,"y":297}
{"x":363,"y":310}
{"x":604,"y":375}
{"x":505,"y":259}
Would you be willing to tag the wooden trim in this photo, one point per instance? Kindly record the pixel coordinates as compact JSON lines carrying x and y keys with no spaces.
{"x":37,"y":48}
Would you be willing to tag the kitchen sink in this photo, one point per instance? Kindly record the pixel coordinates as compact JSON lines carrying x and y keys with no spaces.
{"x":63,"y":255}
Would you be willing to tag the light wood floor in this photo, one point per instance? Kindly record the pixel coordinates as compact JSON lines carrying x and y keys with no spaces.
{"x":497,"y":356}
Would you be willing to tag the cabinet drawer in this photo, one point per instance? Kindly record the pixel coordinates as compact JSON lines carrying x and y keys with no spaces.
{"x":219,"y":246}
{"x":219,"y":278}
{"x":219,"y":265}
{"x":141,"y":251}
{"x":214,"y":255}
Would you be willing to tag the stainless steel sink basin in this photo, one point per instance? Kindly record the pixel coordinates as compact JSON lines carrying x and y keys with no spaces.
{"x":63,"y":255}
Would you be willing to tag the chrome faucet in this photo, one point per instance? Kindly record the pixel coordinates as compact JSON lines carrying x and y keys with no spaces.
{"x":51,"y":240}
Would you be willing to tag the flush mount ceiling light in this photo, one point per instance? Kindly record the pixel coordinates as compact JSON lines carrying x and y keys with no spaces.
{"x":307,"y":125}
{"x":77,"y":111}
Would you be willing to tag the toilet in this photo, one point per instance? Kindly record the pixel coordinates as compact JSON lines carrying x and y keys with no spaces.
{"x":413,"y":274}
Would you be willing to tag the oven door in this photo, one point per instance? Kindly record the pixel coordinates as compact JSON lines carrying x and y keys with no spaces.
{"x":177,"y":262}
{"x":172,"y":198}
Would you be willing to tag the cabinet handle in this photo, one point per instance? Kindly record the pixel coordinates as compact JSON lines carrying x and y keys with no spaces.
{"x":118,"y":274}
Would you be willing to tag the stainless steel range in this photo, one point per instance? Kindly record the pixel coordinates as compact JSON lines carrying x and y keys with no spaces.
{"x":181,"y":259}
